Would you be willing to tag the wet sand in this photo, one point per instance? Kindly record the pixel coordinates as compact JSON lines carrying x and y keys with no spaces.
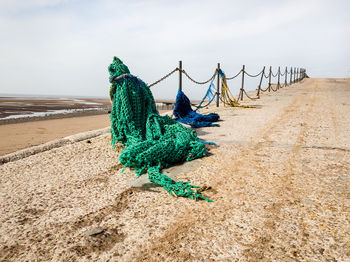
{"x":84,"y":114}
{"x":279,"y":178}
{"x":26,"y":134}
{"x":22,"y":135}
{"x":21,"y":109}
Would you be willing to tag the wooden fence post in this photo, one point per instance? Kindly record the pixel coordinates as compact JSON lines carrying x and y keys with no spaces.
{"x":278,"y":80}
{"x":291,"y":73}
{"x":302,"y":73}
{"x":259,"y":86}
{"x":269,"y":86}
{"x":180,"y":75}
{"x":285,"y":77}
{"x":298,"y":74}
{"x":218,"y":87}
{"x":242,"y":85}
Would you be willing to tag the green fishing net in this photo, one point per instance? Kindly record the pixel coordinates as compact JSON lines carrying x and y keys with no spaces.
{"x":152,"y":142}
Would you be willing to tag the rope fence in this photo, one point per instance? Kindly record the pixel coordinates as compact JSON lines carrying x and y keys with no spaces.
{"x":286,"y":78}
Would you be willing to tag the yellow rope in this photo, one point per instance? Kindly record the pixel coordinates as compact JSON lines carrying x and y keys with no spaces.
{"x":227,"y":96}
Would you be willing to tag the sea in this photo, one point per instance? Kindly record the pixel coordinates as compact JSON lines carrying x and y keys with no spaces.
{"x":21,"y":108}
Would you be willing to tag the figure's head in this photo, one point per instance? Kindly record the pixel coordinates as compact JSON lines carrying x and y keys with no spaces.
{"x":117,"y":68}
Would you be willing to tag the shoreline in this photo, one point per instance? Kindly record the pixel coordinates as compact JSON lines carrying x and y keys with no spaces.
{"x":24,"y":109}
{"x":278,"y":178}
{"x":21,"y":135}
{"x":53,"y":116}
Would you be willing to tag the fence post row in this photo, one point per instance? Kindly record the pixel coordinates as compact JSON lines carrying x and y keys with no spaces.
{"x":296,"y":75}
{"x":218,"y":87}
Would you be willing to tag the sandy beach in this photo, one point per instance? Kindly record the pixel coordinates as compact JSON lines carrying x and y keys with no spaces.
{"x":27,"y":109}
{"x":22,"y":135}
{"x":279,"y":177}
{"x":27,"y":132}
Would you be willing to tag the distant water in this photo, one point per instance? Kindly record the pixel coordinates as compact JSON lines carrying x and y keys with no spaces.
{"x":30,"y":96}
{"x":15,"y":108}
{"x":18,"y":107}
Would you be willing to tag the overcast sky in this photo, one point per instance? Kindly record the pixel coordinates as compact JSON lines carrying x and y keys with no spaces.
{"x":63,"y":47}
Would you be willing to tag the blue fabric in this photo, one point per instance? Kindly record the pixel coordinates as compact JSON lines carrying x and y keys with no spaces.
{"x":184,"y":113}
{"x":209,"y":95}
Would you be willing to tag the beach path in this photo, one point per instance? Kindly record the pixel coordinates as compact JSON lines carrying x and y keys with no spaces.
{"x":279,"y":178}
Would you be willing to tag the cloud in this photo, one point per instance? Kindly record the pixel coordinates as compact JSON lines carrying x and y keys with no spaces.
{"x":20,"y":5}
{"x":64,"y":47}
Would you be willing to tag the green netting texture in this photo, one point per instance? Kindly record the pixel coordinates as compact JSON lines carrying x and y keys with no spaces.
{"x":151,"y":141}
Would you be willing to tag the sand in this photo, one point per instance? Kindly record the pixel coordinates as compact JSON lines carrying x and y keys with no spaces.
{"x":20,"y":109}
{"x":23,"y":135}
{"x":279,"y":178}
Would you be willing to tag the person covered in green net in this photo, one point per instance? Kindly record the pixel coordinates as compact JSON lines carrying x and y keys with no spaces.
{"x":152,"y":142}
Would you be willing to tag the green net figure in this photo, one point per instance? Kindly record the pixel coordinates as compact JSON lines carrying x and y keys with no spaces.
{"x":151,"y":141}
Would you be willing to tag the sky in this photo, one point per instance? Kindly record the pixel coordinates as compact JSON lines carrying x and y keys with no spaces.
{"x":63,"y":47}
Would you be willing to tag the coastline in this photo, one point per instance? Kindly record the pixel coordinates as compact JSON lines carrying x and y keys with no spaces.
{"x":35,"y":131}
{"x":278,"y":177}
{"x":54,"y":116}
{"x":22,"y":135}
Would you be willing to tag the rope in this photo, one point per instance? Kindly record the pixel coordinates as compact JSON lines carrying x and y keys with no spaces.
{"x":251,"y":98}
{"x":207,"y":95}
{"x":197,"y":82}
{"x":201,"y":106}
{"x":164,"y":77}
{"x":253,"y":75}
{"x":273,"y":74}
{"x":264,"y":90}
{"x":274,"y":90}
{"x":227,"y":97}
{"x":230,"y":78}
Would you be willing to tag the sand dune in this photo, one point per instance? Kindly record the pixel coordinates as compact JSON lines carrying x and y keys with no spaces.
{"x":279,"y":178}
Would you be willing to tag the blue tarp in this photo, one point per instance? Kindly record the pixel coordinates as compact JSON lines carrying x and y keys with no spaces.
{"x":184,"y":113}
